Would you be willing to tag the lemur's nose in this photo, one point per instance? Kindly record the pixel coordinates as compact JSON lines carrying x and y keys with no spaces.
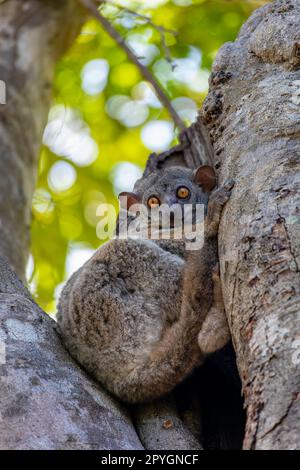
{"x":170,"y":200}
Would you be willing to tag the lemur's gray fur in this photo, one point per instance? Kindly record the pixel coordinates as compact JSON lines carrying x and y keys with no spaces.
{"x":136,"y":313}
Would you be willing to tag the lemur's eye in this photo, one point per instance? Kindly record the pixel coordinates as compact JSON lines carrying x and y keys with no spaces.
{"x":153,"y":201}
{"x":183,"y":192}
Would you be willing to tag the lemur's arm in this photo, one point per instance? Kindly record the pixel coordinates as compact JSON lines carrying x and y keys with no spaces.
{"x":178,"y":351}
{"x":214,"y":333}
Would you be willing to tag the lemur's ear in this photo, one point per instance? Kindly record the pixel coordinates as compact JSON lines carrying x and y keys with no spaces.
{"x":131,"y":198}
{"x":205,"y":177}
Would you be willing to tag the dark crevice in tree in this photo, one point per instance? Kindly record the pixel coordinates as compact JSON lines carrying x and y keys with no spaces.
{"x":223,"y":414}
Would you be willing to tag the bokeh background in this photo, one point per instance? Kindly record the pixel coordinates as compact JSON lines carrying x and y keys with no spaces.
{"x":105,"y":120}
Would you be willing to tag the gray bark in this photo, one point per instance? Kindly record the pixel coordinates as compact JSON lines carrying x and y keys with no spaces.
{"x":253,"y":113}
{"x":160,"y":427}
{"x":46,"y":400}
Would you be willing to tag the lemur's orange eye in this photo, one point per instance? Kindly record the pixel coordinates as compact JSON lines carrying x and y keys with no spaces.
{"x":183,"y":192}
{"x":153,"y":201}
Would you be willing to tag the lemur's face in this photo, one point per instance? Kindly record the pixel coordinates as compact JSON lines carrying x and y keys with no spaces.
{"x":173,"y":187}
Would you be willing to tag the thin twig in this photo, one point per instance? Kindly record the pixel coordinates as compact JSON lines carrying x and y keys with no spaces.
{"x":162,"y":31}
{"x":146,"y":73}
{"x":139,"y":15}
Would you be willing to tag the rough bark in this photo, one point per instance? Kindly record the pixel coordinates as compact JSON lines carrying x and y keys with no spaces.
{"x":46,"y":401}
{"x":33,"y":35}
{"x":194,"y":149}
{"x":253,"y":113}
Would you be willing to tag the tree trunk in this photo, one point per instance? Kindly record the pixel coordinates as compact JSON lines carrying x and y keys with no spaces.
{"x":46,"y":401}
{"x":253,"y":113}
{"x":33,"y":35}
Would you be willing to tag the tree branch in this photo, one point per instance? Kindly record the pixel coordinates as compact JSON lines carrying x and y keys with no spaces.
{"x":46,"y":401}
{"x":141,"y":16}
{"x":160,"y":29}
{"x":145,"y":72}
{"x":195,"y":141}
{"x":160,"y":427}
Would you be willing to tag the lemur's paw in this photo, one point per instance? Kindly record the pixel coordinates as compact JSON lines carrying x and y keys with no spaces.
{"x":222,"y":194}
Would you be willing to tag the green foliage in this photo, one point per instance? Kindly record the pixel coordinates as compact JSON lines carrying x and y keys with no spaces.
{"x":100,"y":120}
